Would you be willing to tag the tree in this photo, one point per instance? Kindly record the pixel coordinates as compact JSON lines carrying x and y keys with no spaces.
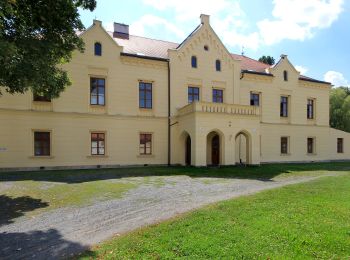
{"x":36,"y":37}
{"x":340,"y":108}
{"x":267,"y":60}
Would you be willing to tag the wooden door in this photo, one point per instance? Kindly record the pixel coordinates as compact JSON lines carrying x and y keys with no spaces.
{"x":215,"y":150}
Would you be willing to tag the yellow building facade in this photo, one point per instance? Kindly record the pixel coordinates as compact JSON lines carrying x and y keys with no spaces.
{"x":140,"y":101}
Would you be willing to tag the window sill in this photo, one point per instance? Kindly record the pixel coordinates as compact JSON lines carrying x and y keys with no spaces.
{"x":311,"y":154}
{"x":97,"y":156}
{"x":146,"y":156}
{"x":285,"y":154}
{"x":42,"y":102}
{"x":97,"y":106}
{"x":41,"y":157}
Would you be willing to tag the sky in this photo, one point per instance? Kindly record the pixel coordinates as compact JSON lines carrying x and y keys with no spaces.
{"x":315,"y":34}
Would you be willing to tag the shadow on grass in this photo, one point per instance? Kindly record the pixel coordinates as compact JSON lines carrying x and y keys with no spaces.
{"x":12,"y":208}
{"x":38,"y":244}
{"x":264,"y":172}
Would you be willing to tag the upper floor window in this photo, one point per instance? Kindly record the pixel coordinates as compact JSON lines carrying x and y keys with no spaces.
{"x":42,"y":143}
{"x":310,"y":145}
{"x":284,"y":145}
{"x":145,"y":95}
{"x":206,"y":47}
{"x":97,"y":143}
{"x":97,"y":91}
{"x":218,"y":95}
{"x":340,"y":145}
{"x":193,"y":94}
{"x":194,"y":61}
{"x":98,"y":49}
{"x":310,"y":109}
{"x":41,"y":98}
{"x":254,"y":99}
{"x":145,"y":144}
{"x":284,"y":106}
{"x":285,"y":75}
{"x":218,"y":65}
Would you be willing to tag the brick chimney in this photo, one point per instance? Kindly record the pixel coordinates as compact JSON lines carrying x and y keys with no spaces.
{"x":121,"y":31}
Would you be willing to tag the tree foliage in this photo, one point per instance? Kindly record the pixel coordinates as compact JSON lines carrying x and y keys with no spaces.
{"x":267,"y":60}
{"x":340,"y":108}
{"x":36,"y":36}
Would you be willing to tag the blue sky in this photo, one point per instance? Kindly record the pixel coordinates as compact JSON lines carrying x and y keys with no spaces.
{"x":315,"y":34}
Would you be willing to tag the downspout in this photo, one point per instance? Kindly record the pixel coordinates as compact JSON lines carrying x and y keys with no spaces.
{"x":169,"y":122}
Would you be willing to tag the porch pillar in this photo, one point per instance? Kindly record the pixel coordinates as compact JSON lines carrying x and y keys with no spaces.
{"x":199,"y":149}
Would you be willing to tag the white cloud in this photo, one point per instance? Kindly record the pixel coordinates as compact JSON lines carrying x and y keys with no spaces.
{"x":301,"y":69}
{"x":336,"y":78}
{"x":298,"y":19}
{"x":291,"y":19}
{"x":151,"y":22}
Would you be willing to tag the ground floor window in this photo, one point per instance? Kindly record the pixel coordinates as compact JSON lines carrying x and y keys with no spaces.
{"x":97,"y":143}
{"x":42,"y":143}
{"x":145,"y":144}
{"x":284,"y":145}
{"x":310,"y":145}
{"x":340,"y":145}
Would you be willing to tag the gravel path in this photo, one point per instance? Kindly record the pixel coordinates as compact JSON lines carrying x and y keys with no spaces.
{"x":63,"y":232}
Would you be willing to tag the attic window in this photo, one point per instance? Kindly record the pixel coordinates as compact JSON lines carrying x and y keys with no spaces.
{"x":194,"y":61}
{"x":206,"y":48}
{"x":98,"y":49}
{"x":285,"y":75}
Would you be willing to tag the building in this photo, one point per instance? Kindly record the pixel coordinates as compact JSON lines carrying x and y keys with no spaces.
{"x":140,"y":101}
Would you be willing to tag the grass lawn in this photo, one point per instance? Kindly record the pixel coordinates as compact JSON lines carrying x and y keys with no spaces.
{"x":30,"y":193}
{"x":309,"y":220}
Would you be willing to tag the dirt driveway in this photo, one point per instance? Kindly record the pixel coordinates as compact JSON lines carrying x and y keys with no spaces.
{"x":62,"y":232}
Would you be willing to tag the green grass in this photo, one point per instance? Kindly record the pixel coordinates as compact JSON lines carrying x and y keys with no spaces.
{"x":48,"y":190}
{"x":304,"y":221}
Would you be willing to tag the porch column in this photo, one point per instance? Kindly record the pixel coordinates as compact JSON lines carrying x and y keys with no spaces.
{"x":199,"y":149}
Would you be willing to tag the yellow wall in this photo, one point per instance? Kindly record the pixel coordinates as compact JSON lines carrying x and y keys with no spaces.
{"x":70,"y":118}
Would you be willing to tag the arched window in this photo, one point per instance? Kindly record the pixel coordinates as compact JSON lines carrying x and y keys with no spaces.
{"x":218,"y":65}
{"x":285,"y":75}
{"x":98,"y":49}
{"x":194,"y":61}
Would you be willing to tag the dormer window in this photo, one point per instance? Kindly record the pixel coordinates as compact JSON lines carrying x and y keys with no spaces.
{"x":98,"y":49}
{"x":194,"y":61}
{"x":285,"y":75}
{"x":218,"y":65}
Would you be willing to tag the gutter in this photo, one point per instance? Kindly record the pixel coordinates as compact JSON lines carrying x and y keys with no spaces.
{"x":169,"y":121}
{"x":143,"y":57}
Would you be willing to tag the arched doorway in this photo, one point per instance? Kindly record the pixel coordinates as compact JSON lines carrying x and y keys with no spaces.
{"x":188,"y":151}
{"x":243,"y":148}
{"x":214,"y":148}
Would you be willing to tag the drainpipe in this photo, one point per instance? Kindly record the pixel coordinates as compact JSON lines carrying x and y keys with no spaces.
{"x":169,"y":125}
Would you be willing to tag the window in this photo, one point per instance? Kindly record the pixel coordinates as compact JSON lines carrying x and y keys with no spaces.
{"x":193,"y":94}
{"x":218,"y":95}
{"x":194,"y":61}
{"x":284,"y":107}
{"x":310,"y":145}
{"x":254,"y":99}
{"x":145,"y":95}
{"x":97,"y":144}
{"x":285,"y":75}
{"x":206,"y":48}
{"x":98,"y":49}
{"x":97,"y":91}
{"x":284,"y":145}
{"x":340,"y":145}
{"x":41,"y":98}
{"x":42,"y":143}
{"x":145,"y":144}
{"x":310,"y":109}
{"x":218,"y":65}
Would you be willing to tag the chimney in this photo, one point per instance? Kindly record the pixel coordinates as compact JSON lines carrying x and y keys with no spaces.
{"x":204,"y":19}
{"x":121,"y":31}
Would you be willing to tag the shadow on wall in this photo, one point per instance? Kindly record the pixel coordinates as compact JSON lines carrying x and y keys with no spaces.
{"x":12,"y":208}
{"x":264,"y":172}
{"x":38,"y":245}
